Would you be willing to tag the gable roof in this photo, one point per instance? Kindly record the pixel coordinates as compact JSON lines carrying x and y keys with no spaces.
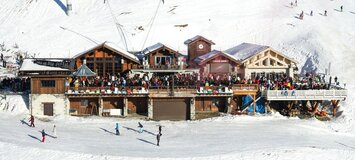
{"x":112,"y":47}
{"x":30,"y":65}
{"x":245,"y":50}
{"x":156,"y":47}
{"x":187,"y":42}
{"x":212,"y":54}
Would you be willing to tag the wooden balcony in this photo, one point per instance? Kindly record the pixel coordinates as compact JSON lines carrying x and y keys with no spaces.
{"x":106,"y":92}
{"x":286,"y":95}
{"x":245,"y":89}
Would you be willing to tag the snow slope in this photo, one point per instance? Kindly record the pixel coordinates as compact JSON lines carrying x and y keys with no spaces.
{"x":41,"y":27}
{"x":229,"y":137}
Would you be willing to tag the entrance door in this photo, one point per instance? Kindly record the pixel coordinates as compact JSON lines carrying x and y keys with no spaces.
{"x":48,"y":109}
{"x":171,"y":109}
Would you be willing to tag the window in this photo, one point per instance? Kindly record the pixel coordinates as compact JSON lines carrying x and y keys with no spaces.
{"x":109,"y":69}
{"x":100,"y":69}
{"x":253,"y":75}
{"x":84,"y":102}
{"x":89,"y":59}
{"x":91,"y":66}
{"x":162,"y":60}
{"x":48,"y":83}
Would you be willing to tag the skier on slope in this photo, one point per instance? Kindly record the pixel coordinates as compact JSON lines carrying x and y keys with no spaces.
{"x":160,"y":130}
{"x":117,"y":129}
{"x":301,"y":15}
{"x":32,"y":120}
{"x":54,"y":131}
{"x":43,"y":135}
{"x":158,"y":139}
{"x":140,"y":127}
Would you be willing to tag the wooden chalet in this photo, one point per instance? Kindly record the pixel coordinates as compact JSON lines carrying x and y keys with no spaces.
{"x":258,"y":60}
{"x":217,"y":62}
{"x":48,"y":77}
{"x":162,"y":57}
{"x":106,"y":59}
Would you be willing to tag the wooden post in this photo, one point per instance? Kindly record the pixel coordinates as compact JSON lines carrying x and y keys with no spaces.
{"x":335,"y":106}
{"x":125,"y":106}
{"x":254,"y":104}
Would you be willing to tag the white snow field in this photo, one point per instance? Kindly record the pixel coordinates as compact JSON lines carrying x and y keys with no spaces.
{"x":41,"y":28}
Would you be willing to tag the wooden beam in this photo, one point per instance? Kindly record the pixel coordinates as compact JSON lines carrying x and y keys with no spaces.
{"x":254,"y":103}
{"x":335,"y":104}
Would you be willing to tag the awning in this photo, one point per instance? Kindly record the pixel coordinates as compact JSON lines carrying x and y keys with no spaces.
{"x":84,"y":71}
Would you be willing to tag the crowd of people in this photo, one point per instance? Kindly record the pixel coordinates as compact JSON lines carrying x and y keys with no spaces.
{"x":277,"y":82}
{"x":16,"y":84}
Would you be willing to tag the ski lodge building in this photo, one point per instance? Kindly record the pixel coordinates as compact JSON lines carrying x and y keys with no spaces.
{"x":87,"y":83}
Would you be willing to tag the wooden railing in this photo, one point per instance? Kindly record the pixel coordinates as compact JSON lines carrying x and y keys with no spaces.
{"x":106,"y":90}
{"x":163,"y":89}
{"x":249,"y":87}
{"x":306,"y":94}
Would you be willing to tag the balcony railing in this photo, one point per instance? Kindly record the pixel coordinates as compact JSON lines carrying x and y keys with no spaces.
{"x":306,"y":94}
{"x":106,"y":91}
{"x":138,"y":90}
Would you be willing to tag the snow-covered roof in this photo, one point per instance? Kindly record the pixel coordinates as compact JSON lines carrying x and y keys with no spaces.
{"x":245,"y":50}
{"x":196,"y":38}
{"x":29,"y":65}
{"x":113,"y":47}
{"x":212,"y":54}
{"x":152,"y":48}
{"x":155,"y":47}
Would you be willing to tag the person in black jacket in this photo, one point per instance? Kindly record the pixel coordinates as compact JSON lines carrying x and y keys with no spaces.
{"x":32,"y":120}
{"x":158,"y":139}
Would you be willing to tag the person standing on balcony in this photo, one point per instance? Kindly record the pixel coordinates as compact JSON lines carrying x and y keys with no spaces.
{"x":76,"y":85}
{"x":67,"y":83}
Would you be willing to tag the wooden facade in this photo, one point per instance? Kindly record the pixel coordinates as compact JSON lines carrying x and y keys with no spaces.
{"x":268,"y":63}
{"x":84,"y":106}
{"x":113,"y":103}
{"x":210,"y":104}
{"x":138,"y":105}
{"x":104,"y":60}
{"x":218,"y":64}
{"x":197,"y":46}
{"x":47,"y":85}
{"x":162,"y":57}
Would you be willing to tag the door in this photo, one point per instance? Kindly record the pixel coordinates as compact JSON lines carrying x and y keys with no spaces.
{"x":171,"y":109}
{"x":48,"y":109}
